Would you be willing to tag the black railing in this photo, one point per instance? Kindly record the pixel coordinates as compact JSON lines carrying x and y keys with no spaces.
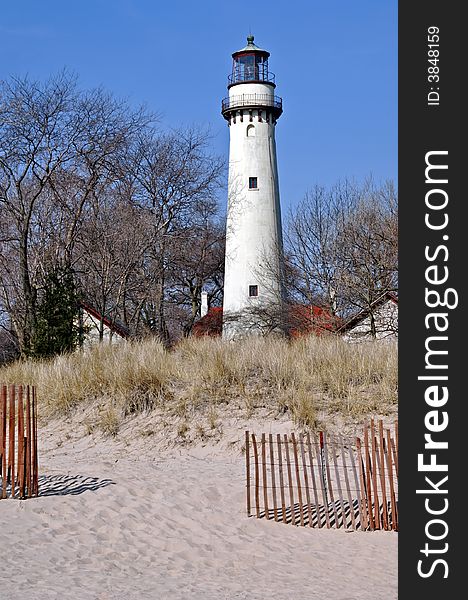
{"x":252,"y":100}
{"x":251,"y":76}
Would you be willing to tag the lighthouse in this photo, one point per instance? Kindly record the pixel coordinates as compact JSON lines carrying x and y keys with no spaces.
{"x":253,"y":286}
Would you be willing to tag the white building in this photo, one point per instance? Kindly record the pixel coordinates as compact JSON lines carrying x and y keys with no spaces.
{"x":254,"y":246}
{"x":95,"y":328}
{"x":382,"y":316}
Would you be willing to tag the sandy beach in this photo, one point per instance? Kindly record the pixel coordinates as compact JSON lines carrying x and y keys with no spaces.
{"x":119,"y":521}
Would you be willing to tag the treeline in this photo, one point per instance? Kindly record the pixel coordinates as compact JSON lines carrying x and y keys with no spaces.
{"x":98,"y":203}
{"x":342,"y":246}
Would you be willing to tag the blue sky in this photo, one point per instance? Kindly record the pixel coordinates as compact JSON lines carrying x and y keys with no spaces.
{"x":335,"y":63}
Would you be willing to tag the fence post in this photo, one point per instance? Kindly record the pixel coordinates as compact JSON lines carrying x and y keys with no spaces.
{"x":364,"y":495}
{"x":314,"y":485}
{"x":281,"y":478}
{"x":247,"y":471}
{"x":20,"y":443}
{"x":330,"y":486}
{"x":11,"y":440}
{"x":350,"y":498}
{"x":34,"y":457}
{"x":28,"y":447}
{"x":264,"y":478}
{"x":382,"y":476}
{"x":298,"y":479}
{"x":392,"y":488}
{"x":368,"y":479}
{"x":291,"y":491}
{"x":374,"y":475}
{"x":306,"y":479}
{"x":3,"y":447}
{"x":321,"y":468}
{"x":273,"y":478}
{"x":338,"y":483}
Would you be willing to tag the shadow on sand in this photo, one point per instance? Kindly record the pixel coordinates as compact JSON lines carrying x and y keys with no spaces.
{"x":70,"y":485}
{"x":332,"y":515}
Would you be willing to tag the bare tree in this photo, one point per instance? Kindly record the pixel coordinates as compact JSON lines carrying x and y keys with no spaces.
{"x":173,"y":177}
{"x":58,"y":149}
{"x":110,"y":252}
{"x":342,"y":247}
{"x":36,"y":133}
{"x":368,"y":249}
{"x":196,"y":263}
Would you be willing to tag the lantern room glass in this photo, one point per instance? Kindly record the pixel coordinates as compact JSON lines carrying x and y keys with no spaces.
{"x":250,"y":67}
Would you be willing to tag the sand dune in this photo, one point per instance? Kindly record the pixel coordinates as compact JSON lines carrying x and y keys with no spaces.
{"x":112,"y":524}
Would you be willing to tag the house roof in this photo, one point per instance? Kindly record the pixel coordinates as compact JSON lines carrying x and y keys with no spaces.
{"x":363,"y":314}
{"x":114,"y":326}
{"x":210,"y":324}
{"x":303,"y":319}
{"x":311,"y":318}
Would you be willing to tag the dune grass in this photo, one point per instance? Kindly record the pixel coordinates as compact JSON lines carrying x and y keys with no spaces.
{"x":299,"y":377}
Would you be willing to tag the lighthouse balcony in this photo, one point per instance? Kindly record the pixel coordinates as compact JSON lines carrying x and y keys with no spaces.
{"x":251,"y":75}
{"x":251,"y":101}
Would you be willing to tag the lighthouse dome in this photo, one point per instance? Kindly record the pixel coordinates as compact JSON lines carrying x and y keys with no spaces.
{"x":251,"y":47}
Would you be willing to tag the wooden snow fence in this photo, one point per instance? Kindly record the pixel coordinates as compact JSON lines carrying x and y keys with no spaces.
{"x":18,"y":442}
{"x":325,"y":480}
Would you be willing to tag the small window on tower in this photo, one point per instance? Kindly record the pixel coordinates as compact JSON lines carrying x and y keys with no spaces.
{"x":251,"y":131}
{"x":253,"y":291}
{"x":252,"y":183}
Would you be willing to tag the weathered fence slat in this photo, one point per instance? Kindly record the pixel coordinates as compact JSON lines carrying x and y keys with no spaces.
{"x":348,"y":490}
{"x":321,"y":476}
{"x":281,"y":478}
{"x":273,"y":477}
{"x":314,"y":485}
{"x":390,"y":479}
{"x":257,"y":482}
{"x":306,"y":479}
{"x":28,"y":434}
{"x":338,"y":484}
{"x":34,"y":459}
{"x":395,"y":447}
{"x":20,"y":443}
{"x":298,"y":479}
{"x":382,"y":476}
{"x":377,"y":466}
{"x":247,"y":471}
{"x":362,"y":478}
{"x":368,"y":479}
{"x":3,"y":447}
{"x":357,"y":483}
{"x":329,"y":480}
{"x":11,"y":434}
{"x":3,"y":391}
{"x":264,"y":478}
{"x":290,"y":484}
{"x":373,"y":459}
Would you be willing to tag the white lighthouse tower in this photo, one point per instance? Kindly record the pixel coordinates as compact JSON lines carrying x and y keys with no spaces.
{"x":253,"y":289}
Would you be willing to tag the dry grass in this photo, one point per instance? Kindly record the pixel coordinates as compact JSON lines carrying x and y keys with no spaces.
{"x":190,"y":383}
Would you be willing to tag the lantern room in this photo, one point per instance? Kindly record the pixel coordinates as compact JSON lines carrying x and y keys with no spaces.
{"x":250,"y":65}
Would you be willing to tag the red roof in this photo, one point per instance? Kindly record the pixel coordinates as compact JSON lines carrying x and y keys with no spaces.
{"x":112,"y":325}
{"x":211,"y":324}
{"x":311,"y":319}
{"x":303,"y":320}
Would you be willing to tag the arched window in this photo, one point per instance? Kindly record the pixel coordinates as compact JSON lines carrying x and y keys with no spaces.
{"x":251,"y":131}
